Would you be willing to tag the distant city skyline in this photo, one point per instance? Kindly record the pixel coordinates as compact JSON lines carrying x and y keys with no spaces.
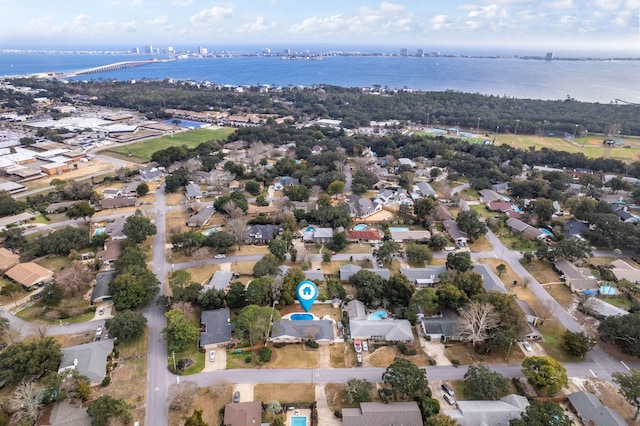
{"x":526,"y":26}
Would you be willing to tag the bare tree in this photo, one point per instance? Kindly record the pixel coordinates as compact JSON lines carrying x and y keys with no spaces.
{"x":181,"y":395}
{"x":275,"y":290}
{"x":361,"y":162}
{"x":219,"y":389}
{"x":237,"y":227}
{"x":75,"y":279}
{"x":542,"y":310}
{"x":476,"y":321}
{"x":201,"y":254}
{"x":24,"y":403}
{"x":185,"y":307}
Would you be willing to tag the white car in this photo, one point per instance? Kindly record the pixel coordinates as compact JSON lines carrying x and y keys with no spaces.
{"x":365,"y":346}
{"x":99,"y":331}
{"x":220,"y":256}
{"x":100,"y":311}
{"x":527,"y":346}
{"x":212,"y":356}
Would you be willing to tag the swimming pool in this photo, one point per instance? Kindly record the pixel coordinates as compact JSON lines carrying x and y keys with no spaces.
{"x":546,"y":231}
{"x":399,"y":229}
{"x":99,"y":231}
{"x":378,"y":315}
{"x":309,"y":229}
{"x":299,"y":421}
{"x":209,"y":232}
{"x":301,"y":317}
{"x":360,"y":227}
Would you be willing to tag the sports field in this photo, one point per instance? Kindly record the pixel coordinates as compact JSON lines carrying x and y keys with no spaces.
{"x":590,"y":146}
{"x":192,"y":138}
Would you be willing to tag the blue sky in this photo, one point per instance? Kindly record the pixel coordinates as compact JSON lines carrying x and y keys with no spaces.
{"x":525,"y":25}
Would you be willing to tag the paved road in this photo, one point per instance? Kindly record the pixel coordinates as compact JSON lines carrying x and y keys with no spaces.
{"x":348,"y":179}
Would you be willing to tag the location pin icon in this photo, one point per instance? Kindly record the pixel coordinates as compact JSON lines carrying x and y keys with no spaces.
{"x":307,"y":293}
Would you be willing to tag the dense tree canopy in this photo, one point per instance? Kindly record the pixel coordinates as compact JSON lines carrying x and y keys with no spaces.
{"x":126,"y":325}
{"x":404,"y":381}
{"x":482,"y":383}
{"x":624,"y":331}
{"x":545,"y":373}
{"x":22,"y":359}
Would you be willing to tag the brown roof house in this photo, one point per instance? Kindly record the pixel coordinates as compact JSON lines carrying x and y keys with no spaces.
{"x":8,"y":259}
{"x":381,"y":414}
{"x":29,"y":274}
{"x":243,"y":414}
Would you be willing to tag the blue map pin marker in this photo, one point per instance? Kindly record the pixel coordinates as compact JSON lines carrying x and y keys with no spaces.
{"x":307,"y":293}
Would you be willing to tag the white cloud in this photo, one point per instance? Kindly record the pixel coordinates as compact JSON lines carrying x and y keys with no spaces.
{"x":257,"y":26}
{"x":81,"y":20}
{"x":158,"y":20}
{"x":209,"y":17}
{"x":181,"y":3}
{"x":560,"y":4}
{"x":386,"y":7}
{"x":607,"y":4}
{"x":439,"y":22}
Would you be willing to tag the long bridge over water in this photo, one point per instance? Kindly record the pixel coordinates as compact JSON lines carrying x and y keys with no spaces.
{"x":113,"y":67}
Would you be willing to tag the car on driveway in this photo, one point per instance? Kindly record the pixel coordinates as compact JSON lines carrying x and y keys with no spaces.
{"x":365,"y":346}
{"x":100,"y":311}
{"x":236,"y":396}
{"x":446,"y":387}
{"x":220,"y":256}
{"x":99,"y":331}
{"x":212,"y":356}
{"x":450,"y":399}
{"x":527,"y":346}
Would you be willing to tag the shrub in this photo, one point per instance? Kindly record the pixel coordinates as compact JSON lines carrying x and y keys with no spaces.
{"x":432,"y":361}
{"x":455,"y":361}
{"x":106,"y":381}
{"x":264,"y":355}
{"x":248,"y":359}
{"x":311,"y":344}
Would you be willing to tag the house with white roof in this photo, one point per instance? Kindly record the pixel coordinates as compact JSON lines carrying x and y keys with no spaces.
{"x":488,"y":413}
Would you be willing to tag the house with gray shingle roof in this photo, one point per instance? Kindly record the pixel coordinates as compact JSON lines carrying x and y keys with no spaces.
{"x":590,"y":410}
{"x":424,"y":277}
{"x":349,"y":269}
{"x":220,"y":281}
{"x":202,"y":217}
{"x":451,"y":226}
{"x":490,"y":281}
{"x":314,"y":275}
{"x":383,"y":414}
{"x":101,"y":292}
{"x":578,"y":279}
{"x":426,"y":190}
{"x":217,"y":327}
{"x":193,"y":191}
{"x":361,"y":207}
{"x":386,"y":330}
{"x":488,"y":413}
{"x":356,"y":310}
{"x":89,"y":359}
{"x":289,"y":331}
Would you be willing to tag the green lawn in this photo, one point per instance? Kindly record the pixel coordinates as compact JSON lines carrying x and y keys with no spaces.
{"x":590,"y":146}
{"x":191,"y":139}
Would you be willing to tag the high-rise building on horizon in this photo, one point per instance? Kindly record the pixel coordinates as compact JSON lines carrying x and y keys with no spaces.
{"x":170,"y":49}
{"x":549,"y":56}
{"x":135,"y":50}
{"x":420,"y":52}
{"x":404,"y":52}
{"x":202,"y":50}
{"x":149,"y":49}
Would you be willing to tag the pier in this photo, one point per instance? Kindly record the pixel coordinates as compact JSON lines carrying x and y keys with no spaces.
{"x":113,"y":67}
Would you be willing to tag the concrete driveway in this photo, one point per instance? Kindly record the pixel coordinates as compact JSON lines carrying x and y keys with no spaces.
{"x":246,"y":391}
{"x":221,"y":360}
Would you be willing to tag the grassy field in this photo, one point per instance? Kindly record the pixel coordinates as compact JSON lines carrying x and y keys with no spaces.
{"x":143,"y":150}
{"x":590,"y":146}
{"x":298,"y":392}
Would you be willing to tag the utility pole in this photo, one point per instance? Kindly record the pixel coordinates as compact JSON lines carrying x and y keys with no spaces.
{"x":517,"y":122}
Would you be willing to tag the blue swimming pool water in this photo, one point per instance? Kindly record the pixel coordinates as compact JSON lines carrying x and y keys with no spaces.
{"x":301,"y":317}
{"x":309,"y":229}
{"x":360,"y":227}
{"x":546,"y":231}
{"x":378,"y":315}
{"x":399,"y":229}
{"x":299,"y":421}
{"x":99,"y":231}
{"x":209,"y":231}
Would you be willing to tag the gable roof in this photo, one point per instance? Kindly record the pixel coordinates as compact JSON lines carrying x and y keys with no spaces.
{"x":381,"y":414}
{"x":578,"y":278}
{"x":443,"y":213}
{"x":217,"y":327}
{"x":410,"y":235}
{"x":220,"y":280}
{"x":347,"y":270}
{"x":318,"y":330}
{"x":489,"y":413}
{"x":366,"y":235}
{"x":592,"y":412}
{"x":390,"y":330}
{"x":202,"y":217}
{"x":452,"y":229}
{"x":516,"y":224}
{"x":243,"y":414}
{"x":29,"y":274}
{"x":490,"y":281}
{"x":356,"y":310}
{"x":601,"y":307}
{"x":314,"y":274}
{"x":423,"y":276}
{"x":488,"y":195}
{"x":623,"y":270}
{"x":90,"y":359}
{"x":101,"y":288}
{"x":112,"y":250}
{"x":8,"y":259}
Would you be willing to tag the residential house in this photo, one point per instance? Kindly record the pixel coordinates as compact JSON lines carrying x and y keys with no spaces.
{"x":150,"y":174}
{"x":349,"y":269}
{"x":591,"y":412}
{"x":29,"y":274}
{"x":234,"y":185}
{"x":8,"y":259}
{"x":261,"y":234}
{"x":59,"y":207}
{"x":216,"y":328}
{"x":115,"y":229}
{"x":426,"y":190}
{"x":287,"y":331}
{"x":402,"y":236}
{"x":406,"y":162}
{"x":575,"y":228}
{"x":390,"y":197}
{"x":626,"y":217}
{"x":441,"y":327}
{"x":461,"y":238}
{"x":130,"y":189}
{"x":17,"y":219}
{"x":489,"y":195}
{"x":243,"y":414}
{"x":490,"y":280}
{"x":65,"y":413}
{"x":383,"y":414}
{"x":624,"y":271}
{"x":314,"y":275}
{"x":356,"y":310}
{"x":485,"y":413}
{"x":322,"y":235}
{"x":362,"y":207}
{"x":443,"y":213}
{"x":89,"y":359}
{"x":112,"y":192}
{"x":578,"y":279}
{"x":201,"y":218}
{"x":387,"y":330}
{"x":118,"y":202}
{"x":285,"y":181}
{"x":220,"y":281}
{"x":364,"y":236}
{"x":600,"y":309}
{"x":424,"y":277}
{"x":193,"y":191}
{"x":504,"y":207}
{"x":524,"y":229}
{"x":101,"y":292}
{"x":110,"y":253}
{"x":557,"y":209}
